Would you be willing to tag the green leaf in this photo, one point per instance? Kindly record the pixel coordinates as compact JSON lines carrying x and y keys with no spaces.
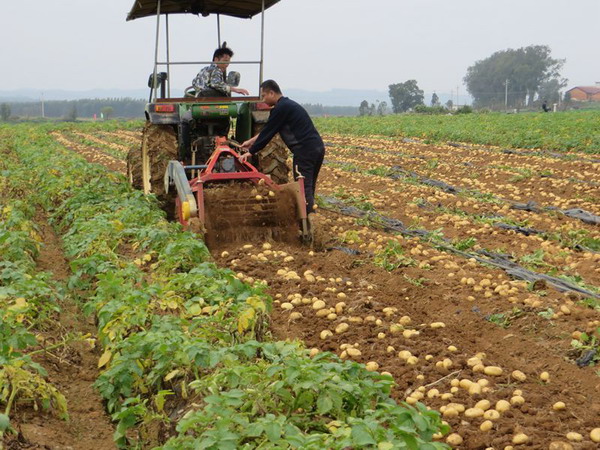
{"x":361,"y":435}
{"x":4,"y":422}
{"x":324,"y":404}
{"x":273,"y":430}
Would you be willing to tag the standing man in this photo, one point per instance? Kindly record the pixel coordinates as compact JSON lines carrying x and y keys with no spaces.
{"x":210,"y":81}
{"x":297,"y":130}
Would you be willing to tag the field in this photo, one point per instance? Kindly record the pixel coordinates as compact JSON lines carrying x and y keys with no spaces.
{"x":565,"y":131}
{"x":456,"y":282}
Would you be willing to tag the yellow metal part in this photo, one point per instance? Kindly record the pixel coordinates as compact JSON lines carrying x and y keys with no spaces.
{"x":185,"y":210}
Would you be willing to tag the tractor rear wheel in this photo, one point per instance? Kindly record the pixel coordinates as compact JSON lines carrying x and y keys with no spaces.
{"x":146,"y":166}
{"x":272,"y":160}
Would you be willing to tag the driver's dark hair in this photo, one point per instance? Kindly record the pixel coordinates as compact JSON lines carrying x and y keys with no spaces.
{"x":222,"y":51}
{"x":270,"y":85}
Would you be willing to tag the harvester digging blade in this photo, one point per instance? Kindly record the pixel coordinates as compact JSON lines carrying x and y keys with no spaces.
{"x":246,"y":213}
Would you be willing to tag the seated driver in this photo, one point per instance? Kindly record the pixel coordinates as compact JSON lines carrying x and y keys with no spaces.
{"x":210,"y":81}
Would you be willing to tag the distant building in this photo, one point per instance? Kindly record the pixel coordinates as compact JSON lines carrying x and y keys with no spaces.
{"x":585,"y":93}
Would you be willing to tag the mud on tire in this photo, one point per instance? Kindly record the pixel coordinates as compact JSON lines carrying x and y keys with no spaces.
{"x":159,"y":144}
{"x":272,"y":160}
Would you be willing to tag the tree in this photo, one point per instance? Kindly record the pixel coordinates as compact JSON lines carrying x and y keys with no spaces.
{"x":382,"y":108}
{"x":405,"y":95}
{"x":107,"y":112}
{"x":5,"y":111}
{"x":72,"y":114}
{"x":363,"y":109}
{"x":435,"y":100}
{"x":550,"y":90}
{"x":449,"y":104}
{"x":524,"y":70}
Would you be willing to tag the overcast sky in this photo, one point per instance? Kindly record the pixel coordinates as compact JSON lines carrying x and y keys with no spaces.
{"x":310,"y":44}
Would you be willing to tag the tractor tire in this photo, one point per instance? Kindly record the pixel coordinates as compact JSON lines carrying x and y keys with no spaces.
{"x":146,"y":166}
{"x":273,"y":159}
{"x":134,"y":168}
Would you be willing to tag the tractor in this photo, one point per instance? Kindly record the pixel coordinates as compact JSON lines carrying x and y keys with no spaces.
{"x":188,"y":157}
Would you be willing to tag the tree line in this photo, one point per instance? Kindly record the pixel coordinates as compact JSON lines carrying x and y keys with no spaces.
{"x":118,"y":107}
{"x":74,"y":109}
{"x":512,"y":78}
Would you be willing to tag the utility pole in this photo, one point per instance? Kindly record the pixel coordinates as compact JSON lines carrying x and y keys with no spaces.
{"x":457,"y":101}
{"x":43,"y":114}
{"x":506,"y":95}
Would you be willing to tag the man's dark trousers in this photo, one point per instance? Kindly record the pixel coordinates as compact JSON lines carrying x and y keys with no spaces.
{"x":309,"y":167}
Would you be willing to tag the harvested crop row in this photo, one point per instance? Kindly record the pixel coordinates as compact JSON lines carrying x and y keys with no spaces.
{"x":555,"y":249}
{"x":422,"y":325}
{"x":563,"y":184}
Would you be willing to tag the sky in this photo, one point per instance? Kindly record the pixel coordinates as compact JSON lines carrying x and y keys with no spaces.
{"x":316,"y":45}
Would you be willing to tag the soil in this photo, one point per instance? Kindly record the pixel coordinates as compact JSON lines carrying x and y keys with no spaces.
{"x":248,"y":213}
{"x":71,"y":369}
{"x":474,"y":310}
{"x":93,"y":155}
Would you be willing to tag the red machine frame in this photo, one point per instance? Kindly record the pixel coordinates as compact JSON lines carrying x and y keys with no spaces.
{"x":246,"y":172}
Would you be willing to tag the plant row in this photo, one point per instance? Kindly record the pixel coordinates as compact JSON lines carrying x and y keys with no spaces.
{"x":28,"y":302}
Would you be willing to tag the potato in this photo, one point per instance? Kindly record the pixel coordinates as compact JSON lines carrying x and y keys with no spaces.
{"x":404,"y":354}
{"x":494,"y":371}
{"x":314,"y":352}
{"x":520,"y":438}
{"x":438,"y":325}
{"x":457,"y":406}
{"x":475,"y":389}
{"x":575,"y":437}
{"x":450,"y":413}
{"x":545,"y":376}
{"x":405,"y":320}
{"x":432,"y":393}
{"x":325,"y":334}
{"x":372,"y":366}
{"x":486,"y":426}
{"x":396,"y":328}
{"x":412,"y":360}
{"x":559,"y":406}
{"x":407,"y":334}
{"x":502,"y":405}
{"x":518,"y":375}
{"x":354,"y":352}
{"x":471,"y":413}
{"x":483,"y":405}
{"x":465,"y":383}
{"x":491,"y":414}
{"x":558,"y":445}
{"x":595,"y":435}
{"x":342,"y":328}
{"x":454,"y":439}
{"x":319,"y":304}
{"x":478,"y":368}
{"x":295,"y":315}
{"x":287,"y":306}
{"x":517,"y":400}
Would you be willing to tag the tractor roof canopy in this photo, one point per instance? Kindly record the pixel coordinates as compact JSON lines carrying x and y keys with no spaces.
{"x":244,"y":9}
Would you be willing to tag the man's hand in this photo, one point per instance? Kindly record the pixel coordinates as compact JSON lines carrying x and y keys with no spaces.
{"x":240,"y":91}
{"x":249,"y":143}
{"x":244,"y":158}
